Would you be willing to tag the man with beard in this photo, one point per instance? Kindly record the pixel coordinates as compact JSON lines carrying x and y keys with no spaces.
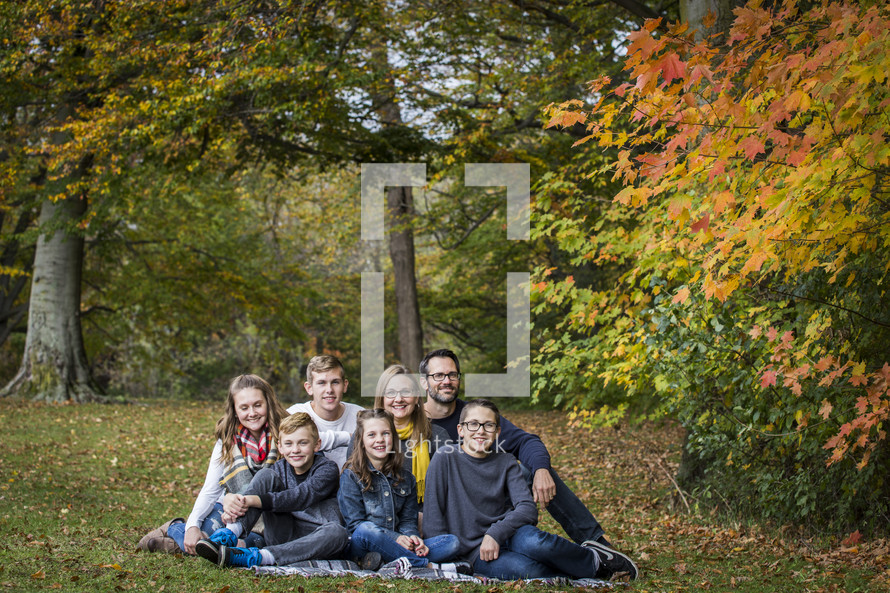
{"x":440,"y":377}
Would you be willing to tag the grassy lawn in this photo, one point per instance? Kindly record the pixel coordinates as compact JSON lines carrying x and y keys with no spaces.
{"x":79,"y":485}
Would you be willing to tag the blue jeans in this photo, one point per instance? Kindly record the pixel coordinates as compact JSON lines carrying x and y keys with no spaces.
{"x":568,"y":510}
{"x":532,"y":553}
{"x":211,"y":523}
{"x":368,"y":537}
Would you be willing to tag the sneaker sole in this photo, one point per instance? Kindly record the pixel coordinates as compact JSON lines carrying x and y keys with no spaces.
{"x":208,"y":550}
{"x":603,"y":549}
{"x":221,"y":558}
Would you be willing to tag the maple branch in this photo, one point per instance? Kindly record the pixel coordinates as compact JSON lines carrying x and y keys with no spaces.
{"x":821,"y":302}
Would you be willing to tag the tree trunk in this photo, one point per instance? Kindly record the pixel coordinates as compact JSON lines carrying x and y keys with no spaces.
{"x":54,"y":365}
{"x":400,"y":205}
{"x":400,"y":215}
{"x":693,"y":468}
{"x":694,"y":12}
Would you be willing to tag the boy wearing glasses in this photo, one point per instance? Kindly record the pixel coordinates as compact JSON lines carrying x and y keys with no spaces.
{"x":440,"y":377}
{"x":479,"y":494}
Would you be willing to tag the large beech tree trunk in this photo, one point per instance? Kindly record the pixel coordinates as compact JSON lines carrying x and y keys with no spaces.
{"x":54,"y":366}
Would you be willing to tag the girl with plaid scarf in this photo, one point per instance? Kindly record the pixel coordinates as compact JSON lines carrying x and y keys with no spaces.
{"x":246,"y":436}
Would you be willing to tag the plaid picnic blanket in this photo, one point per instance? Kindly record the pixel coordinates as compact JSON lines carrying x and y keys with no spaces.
{"x":401,"y":569}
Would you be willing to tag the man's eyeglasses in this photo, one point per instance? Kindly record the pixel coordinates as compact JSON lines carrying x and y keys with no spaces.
{"x":392,"y":393}
{"x":473,"y":426}
{"x":438,"y":377}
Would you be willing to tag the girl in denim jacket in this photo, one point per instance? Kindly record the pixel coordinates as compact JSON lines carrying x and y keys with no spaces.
{"x":378,"y":500}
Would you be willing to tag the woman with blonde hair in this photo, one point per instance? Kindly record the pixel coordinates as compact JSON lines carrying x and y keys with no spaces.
{"x":398,"y":392}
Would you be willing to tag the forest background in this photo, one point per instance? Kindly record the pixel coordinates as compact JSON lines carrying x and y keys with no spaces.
{"x":181,"y":203}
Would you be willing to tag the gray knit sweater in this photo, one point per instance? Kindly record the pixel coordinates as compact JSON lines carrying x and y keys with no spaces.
{"x":471,"y":497}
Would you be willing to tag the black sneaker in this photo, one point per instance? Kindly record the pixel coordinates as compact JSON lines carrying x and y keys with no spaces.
{"x":208,"y":550}
{"x":612,"y":562}
{"x":370,"y":561}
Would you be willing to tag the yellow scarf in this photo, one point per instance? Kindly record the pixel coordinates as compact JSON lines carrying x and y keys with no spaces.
{"x":420,"y":458}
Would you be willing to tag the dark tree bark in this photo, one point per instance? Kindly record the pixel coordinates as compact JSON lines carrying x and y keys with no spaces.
{"x":400,"y":222}
{"x":400,"y":205}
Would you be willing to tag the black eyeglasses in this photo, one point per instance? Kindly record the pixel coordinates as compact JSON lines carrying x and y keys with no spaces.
{"x":473,"y":426}
{"x":437,"y":377}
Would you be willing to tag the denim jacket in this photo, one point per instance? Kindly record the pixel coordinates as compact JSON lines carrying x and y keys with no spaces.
{"x":392,"y":507}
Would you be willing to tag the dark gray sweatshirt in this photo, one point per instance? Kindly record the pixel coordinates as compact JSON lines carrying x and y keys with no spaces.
{"x":471,"y":497}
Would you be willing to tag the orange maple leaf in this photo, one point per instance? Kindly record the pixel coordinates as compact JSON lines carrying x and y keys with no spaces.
{"x":643,"y":42}
{"x":752,"y":146}
{"x":672,"y":67}
{"x":858,"y":380}
{"x":824,"y":363}
{"x":702,"y":224}
{"x":681,"y":296}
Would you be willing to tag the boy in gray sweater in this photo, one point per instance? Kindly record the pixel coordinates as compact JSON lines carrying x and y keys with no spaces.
{"x":478,"y":494}
{"x":296,"y":498}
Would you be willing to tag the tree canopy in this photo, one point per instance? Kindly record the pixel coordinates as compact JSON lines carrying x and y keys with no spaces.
{"x":749,"y":243}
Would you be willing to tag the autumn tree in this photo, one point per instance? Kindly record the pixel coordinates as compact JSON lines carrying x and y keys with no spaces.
{"x":173,"y":93}
{"x":749,"y":245}
{"x":93,"y":92}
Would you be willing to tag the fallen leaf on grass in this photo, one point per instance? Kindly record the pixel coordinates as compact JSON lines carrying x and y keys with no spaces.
{"x":852,"y":539}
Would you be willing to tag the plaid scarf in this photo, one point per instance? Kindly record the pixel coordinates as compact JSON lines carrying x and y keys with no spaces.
{"x":252,"y":450}
{"x":250,"y":456}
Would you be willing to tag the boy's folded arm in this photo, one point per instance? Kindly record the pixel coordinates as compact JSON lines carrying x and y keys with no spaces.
{"x":334,"y":439}
{"x":320,"y":485}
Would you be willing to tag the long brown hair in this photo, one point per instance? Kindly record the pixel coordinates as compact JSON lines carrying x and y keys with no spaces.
{"x":359,"y":463}
{"x":422,"y":430}
{"x":228,"y":424}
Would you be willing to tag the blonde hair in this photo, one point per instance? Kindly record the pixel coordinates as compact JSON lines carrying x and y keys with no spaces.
{"x":295,"y":422}
{"x":422,"y":430}
{"x":322,"y":363}
{"x":359,"y":463}
{"x":227,"y":426}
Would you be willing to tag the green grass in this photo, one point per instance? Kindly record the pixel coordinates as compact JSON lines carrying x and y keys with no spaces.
{"x":79,"y":485}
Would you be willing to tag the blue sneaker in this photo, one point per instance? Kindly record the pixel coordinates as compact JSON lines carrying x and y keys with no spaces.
{"x":224,"y":537}
{"x":243,"y":557}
